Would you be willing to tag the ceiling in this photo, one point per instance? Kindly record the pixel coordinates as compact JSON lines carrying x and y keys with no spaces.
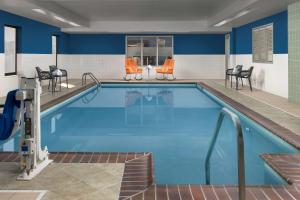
{"x":119,"y":16}
{"x":140,"y":10}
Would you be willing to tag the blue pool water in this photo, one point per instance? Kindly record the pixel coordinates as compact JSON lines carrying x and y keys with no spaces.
{"x":174,"y":122}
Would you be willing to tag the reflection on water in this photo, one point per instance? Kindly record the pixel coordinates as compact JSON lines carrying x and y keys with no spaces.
{"x":90,"y":96}
{"x":148,"y":109}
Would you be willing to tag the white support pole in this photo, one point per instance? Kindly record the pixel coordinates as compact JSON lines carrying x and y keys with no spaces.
{"x":33,"y":158}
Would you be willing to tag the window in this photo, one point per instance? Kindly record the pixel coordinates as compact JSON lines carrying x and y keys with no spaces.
{"x":54,"y":49}
{"x":262,"y":44}
{"x":10,"y":50}
{"x":149,"y":50}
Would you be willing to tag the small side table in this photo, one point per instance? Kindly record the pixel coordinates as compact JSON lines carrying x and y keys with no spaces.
{"x":149,"y":67}
{"x":54,"y":82}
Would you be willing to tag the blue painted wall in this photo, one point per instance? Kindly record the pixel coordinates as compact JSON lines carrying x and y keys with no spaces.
{"x":115,"y":44}
{"x":96,"y":44}
{"x":241,"y":37}
{"x":199,"y":44}
{"x":33,"y":36}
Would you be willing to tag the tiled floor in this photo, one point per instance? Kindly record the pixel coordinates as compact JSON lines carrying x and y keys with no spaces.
{"x":49,"y":99}
{"x":288,"y":166}
{"x":136,"y":176}
{"x":22,"y":194}
{"x":66,"y":181}
{"x":202,"y":192}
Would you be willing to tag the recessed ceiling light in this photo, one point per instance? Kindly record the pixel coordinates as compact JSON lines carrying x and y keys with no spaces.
{"x":245,"y":12}
{"x":221,"y":23}
{"x":59,"y":18}
{"x":39,"y":11}
{"x":74,"y":24}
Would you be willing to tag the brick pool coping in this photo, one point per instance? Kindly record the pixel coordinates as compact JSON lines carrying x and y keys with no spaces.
{"x":286,"y":165}
{"x":138,"y":170}
{"x":138,"y":181}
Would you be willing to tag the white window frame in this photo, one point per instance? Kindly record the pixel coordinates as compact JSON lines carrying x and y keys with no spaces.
{"x":54,"y":39}
{"x":14,"y":56}
{"x":153,"y":36}
{"x":263,"y":44}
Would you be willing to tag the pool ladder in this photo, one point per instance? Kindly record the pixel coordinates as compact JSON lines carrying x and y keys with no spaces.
{"x":91,"y":75}
{"x":240,"y":147}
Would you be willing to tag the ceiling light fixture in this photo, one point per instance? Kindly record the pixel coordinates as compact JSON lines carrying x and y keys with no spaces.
{"x":240,"y":14}
{"x":38,"y":10}
{"x":221,"y":23}
{"x":245,"y":12}
{"x":74,"y":24}
{"x":59,"y":18}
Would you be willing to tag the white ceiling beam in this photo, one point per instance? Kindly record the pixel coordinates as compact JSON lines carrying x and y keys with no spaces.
{"x":147,"y":27}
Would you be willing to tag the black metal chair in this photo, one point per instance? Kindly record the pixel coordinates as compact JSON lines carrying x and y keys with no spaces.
{"x":44,"y":75}
{"x":64,"y":74}
{"x":246,"y":74}
{"x":233,"y":72}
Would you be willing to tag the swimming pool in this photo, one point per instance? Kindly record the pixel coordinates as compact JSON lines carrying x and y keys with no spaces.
{"x":173,"y":121}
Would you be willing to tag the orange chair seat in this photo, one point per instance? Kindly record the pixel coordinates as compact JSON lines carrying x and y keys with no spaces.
{"x":139,"y":70}
{"x":131,"y":67}
{"x":161,"y":70}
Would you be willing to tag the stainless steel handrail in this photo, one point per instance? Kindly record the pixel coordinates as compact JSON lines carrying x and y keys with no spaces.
{"x":240,"y":147}
{"x":91,"y":75}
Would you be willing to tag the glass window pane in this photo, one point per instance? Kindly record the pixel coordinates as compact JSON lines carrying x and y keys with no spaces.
{"x":165,"y":49}
{"x":149,"y":50}
{"x":262,"y":44}
{"x":153,"y":49}
{"x":54,"y":49}
{"x":134,"y":45}
{"x":10,"y":50}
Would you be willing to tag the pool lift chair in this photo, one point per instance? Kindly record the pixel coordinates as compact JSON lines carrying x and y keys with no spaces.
{"x":22,"y":113}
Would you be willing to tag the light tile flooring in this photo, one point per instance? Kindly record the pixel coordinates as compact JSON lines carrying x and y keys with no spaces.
{"x":273,"y":107}
{"x":68,"y":181}
{"x":47,"y":95}
{"x":21,"y":194}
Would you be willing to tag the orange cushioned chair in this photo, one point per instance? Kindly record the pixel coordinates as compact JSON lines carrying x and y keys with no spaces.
{"x":167,"y":68}
{"x":132,"y":68}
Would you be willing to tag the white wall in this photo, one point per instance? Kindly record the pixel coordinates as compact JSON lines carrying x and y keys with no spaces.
{"x":112,"y":66}
{"x":272,"y":78}
{"x":7,"y":83}
{"x":26,"y":64}
{"x":199,"y":66}
{"x":102,"y":66}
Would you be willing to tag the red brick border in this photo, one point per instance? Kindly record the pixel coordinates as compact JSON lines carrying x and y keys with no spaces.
{"x":286,"y":165}
{"x":204,"y":192}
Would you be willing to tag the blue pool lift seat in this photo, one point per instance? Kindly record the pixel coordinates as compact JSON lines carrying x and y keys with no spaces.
{"x":7,"y":118}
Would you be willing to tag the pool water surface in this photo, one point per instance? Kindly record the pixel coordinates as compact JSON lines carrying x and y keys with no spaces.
{"x":174,"y":122}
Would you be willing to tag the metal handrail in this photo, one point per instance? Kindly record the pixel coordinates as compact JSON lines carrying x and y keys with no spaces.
{"x":240,"y":147}
{"x":91,"y":75}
